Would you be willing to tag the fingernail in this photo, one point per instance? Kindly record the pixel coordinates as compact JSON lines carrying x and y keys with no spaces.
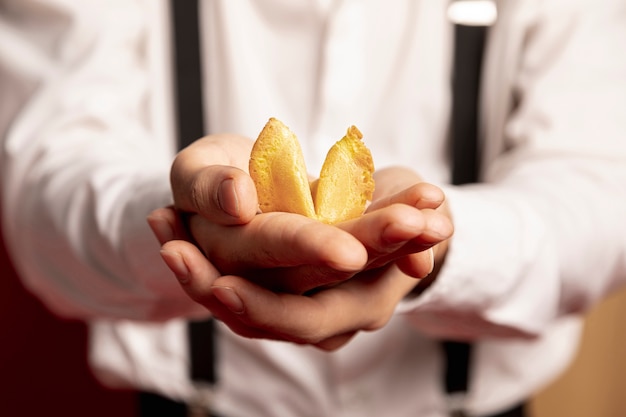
{"x":161,"y":228}
{"x":227,"y":197}
{"x":229,"y":298}
{"x":176,"y":263}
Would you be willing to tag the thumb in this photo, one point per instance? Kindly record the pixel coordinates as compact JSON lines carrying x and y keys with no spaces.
{"x":223,"y":194}
{"x":208,"y":178}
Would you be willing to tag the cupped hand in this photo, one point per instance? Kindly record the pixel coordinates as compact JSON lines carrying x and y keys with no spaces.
{"x":291,"y":253}
{"x":327,"y":318}
{"x":259,"y":268}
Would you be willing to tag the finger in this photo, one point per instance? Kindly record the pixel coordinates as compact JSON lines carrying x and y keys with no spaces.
{"x":385,"y":230}
{"x":222,"y":194}
{"x":439,"y":226}
{"x":417,"y":265}
{"x":392,"y":180}
{"x":226,"y":306}
{"x":194,"y":272}
{"x":362,"y":304}
{"x":221,"y":313}
{"x":197,"y":277}
{"x":274,"y":240}
{"x":202,"y":283}
{"x":167,"y":225}
{"x":437,"y":229}
{"x":253,"y":310}
{"x":398,"y":231}
{"x":302,"y":279}
{"x":421,"y":195}
{"x":238,"y":326}
{"x":210,"y":178}
{"x":390,"y":232}
{"x":335,"y":342}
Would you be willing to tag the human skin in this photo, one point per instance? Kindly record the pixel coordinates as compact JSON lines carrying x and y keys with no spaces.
{"x":287,"y":277}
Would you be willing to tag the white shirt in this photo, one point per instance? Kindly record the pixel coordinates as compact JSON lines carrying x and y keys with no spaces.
{"x":88,"y":140}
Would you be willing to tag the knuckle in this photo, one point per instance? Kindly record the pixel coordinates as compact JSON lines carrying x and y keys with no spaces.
{"x":377,"y":323}
{"x":398,"y":212}
{"x":200,"y":197}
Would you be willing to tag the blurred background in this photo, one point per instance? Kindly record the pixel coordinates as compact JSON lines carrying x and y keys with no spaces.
{"x":43,"y":364}
{"x":595,"y":384}
{"x":43,"y":360}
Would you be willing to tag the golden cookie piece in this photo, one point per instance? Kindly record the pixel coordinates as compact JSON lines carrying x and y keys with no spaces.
{"x":341,"y":193}
{"x":346,"y":181}
{"x":279,"y":172}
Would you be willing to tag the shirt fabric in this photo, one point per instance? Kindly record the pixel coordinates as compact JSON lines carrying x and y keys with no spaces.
{"x":88,"y":140}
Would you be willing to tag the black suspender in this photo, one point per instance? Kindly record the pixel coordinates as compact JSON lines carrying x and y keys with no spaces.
{"x":464,"y":138}
{"x":468,"y":52}
{"x":189,"y":106}
{"x":467,"y":63}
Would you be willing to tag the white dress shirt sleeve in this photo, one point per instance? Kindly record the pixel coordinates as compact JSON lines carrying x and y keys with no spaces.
{"x":544,"y":235}
{"x":85,"y":156}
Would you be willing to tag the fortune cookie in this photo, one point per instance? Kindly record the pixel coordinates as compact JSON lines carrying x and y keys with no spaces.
{"x":345,"y":185}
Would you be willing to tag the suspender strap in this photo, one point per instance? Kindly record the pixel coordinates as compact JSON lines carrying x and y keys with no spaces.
{"x":190,"y":122}
{"x":202,"y":350}
{"x":467,"y":61}
{"x":464,"y":134}
{"x":457,"y":359}
{"x":187,"y":71}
